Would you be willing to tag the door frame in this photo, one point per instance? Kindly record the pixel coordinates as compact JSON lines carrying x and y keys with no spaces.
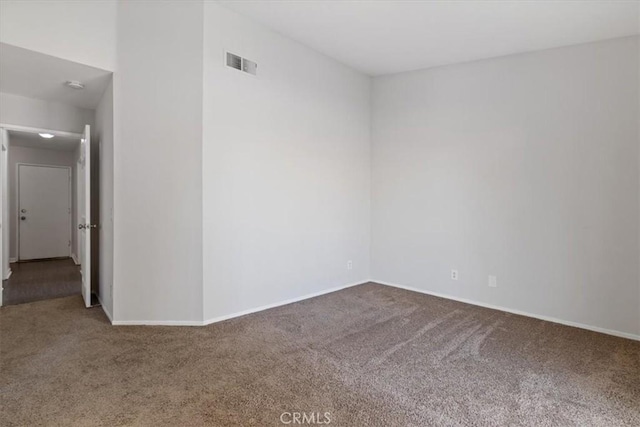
{"x":7,"y":127}
{"x":18,"y":128}
{"x":17,"y":212}
{"x":4,"y":210}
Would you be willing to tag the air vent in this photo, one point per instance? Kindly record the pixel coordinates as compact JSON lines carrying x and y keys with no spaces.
{"x":249,"y":66}
{"x":241,"y":64}
{"x":234,"y":61}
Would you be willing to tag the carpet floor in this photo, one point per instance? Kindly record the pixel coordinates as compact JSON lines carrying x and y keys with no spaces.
{"x":369,"y":355}
{"x":40,"y":280}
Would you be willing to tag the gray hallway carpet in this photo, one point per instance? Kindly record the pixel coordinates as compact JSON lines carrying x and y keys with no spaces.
{"x":40,"y":280}
{"x":369,"y":355}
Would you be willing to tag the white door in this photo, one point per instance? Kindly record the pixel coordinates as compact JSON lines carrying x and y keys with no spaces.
{"x":2,"y":202}
{"x":85,"y":213}
{"x":44,"y":211}
{"x":4,"y":211}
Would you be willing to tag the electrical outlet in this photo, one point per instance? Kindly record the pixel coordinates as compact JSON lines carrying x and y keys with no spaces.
{"x":454,"y":274}
{"x":493,"y":282}
{"x":349,"y":265}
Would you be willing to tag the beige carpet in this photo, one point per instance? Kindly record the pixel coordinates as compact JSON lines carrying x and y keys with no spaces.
{"x":369,"y":356}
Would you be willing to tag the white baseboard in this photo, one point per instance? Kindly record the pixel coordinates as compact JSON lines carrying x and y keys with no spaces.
{"x":75,"y":259}
{"x":228,"y":316}
{"x":12,"y":260}
{"x":518,"y":312}
{"x":8,"y":274}
{"x":106,"y":311}
{"x":156,"y":323}
{"x":278,"y":304}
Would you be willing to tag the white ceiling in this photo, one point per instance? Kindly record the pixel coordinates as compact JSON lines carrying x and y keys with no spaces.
{"x":382,"y":37}
{"x":33,"y":140}
{"x":35,"y":75}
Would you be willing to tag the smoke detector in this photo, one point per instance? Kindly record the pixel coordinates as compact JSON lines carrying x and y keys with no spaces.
{"x":74,"y":84}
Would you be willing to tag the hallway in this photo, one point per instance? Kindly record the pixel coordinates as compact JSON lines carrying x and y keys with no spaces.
{"x":40,"y":280}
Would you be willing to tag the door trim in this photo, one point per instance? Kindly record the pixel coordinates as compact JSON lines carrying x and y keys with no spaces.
{"x":30,"y":129}
{"x":17,"y":212}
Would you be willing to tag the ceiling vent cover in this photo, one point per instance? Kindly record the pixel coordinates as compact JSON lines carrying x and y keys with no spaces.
{"x":241,"y":64}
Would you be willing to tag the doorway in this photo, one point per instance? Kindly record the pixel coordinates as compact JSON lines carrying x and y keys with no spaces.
{"x":46,"y":94}
{"x":47,"y":194}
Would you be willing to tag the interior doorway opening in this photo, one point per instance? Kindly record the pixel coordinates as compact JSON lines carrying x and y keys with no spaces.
{"x":46,"y":201}
{"x":39,"y":94}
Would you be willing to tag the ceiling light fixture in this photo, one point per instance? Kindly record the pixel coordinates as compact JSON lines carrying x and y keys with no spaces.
{"x":74,"y":84}
{"x":46,"y":135}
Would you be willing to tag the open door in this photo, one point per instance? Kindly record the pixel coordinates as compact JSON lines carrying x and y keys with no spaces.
{"x":5,"y":271}
{"x":85,"y":212}
{"x":3,"y":226}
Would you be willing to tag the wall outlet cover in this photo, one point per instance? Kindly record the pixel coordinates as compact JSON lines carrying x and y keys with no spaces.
{"x":493,"y":282}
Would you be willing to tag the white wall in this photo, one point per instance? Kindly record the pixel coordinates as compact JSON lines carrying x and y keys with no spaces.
{"x":286,"y":170}
{"x":36,"y":156}
{"x":104,"y":132}
{"x":157,"y":162}
{"x":80,"y":31}
{"x":524,"y":167}
{"x":19,"y":110}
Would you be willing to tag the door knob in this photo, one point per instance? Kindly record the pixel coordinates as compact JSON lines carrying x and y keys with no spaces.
{"x":80,"y":226}
{"x":23,"y":218}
